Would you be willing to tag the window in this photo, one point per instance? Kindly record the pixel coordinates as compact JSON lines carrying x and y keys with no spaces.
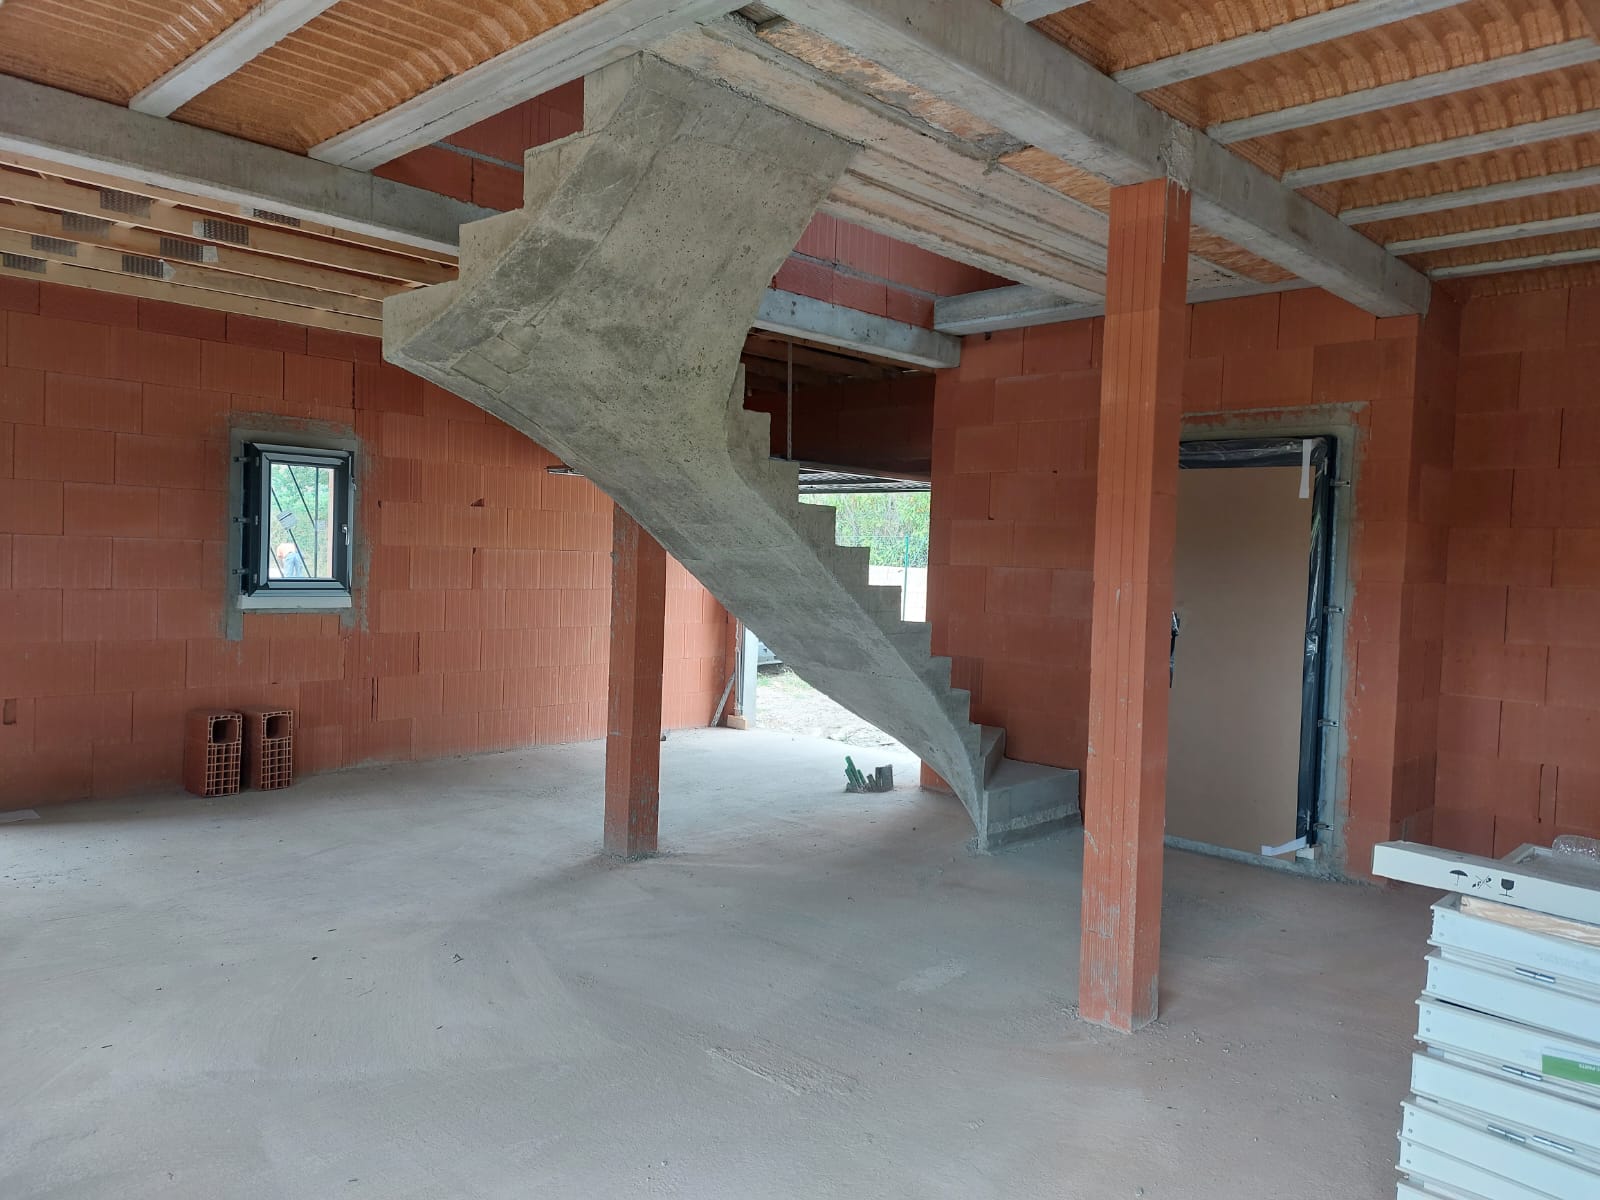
{"x":295,"y":548}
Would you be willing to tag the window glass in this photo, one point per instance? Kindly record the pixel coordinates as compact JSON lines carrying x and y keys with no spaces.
{"x":302,"y":527}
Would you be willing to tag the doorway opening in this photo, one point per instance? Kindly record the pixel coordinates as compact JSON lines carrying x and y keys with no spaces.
{"x":1249,"y":654}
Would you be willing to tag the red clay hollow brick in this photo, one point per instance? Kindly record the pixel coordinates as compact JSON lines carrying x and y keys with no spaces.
{"x":269,"y":747}
{"x":211,"y":752}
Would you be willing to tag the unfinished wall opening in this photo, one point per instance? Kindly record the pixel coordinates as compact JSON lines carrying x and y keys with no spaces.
{"x":887,"y":516}
{"x":1249,"y":651}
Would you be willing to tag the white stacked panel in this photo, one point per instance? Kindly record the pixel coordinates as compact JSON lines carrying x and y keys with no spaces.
{"x":1505,"y":1100}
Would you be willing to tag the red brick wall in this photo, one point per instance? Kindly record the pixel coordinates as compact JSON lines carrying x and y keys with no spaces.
{"x":481,"y":624}
{"x":858,"y":268}
{"x":1519,"y":720}
{"x":1014,"y":451}
{"x":875,"y":426}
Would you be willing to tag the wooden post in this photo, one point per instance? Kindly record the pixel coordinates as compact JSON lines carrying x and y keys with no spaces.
{"x":1135,"y":527}
{"x":633,"y":726}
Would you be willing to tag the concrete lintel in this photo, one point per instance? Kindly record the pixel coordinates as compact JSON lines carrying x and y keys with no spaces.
{"x":971,"y":53}
{"x":790,"y":315}
{"x":76,"y":132}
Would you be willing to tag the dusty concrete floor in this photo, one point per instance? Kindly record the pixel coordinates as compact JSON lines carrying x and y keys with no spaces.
{"x":785,"y":703}
{"x":422,"y":982}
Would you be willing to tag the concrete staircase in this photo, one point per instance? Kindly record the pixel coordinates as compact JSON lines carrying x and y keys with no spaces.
{"x":605,"y":320}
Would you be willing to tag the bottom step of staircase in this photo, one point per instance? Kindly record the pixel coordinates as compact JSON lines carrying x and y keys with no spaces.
{"x":1024,"y":800}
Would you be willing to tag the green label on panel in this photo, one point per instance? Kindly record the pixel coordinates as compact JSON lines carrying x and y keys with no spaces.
{"x":1573,"y":1070}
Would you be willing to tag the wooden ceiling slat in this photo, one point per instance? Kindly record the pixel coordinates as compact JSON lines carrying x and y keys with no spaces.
{"x":72,"y":275}
{"x":200,"y":277}
{"x":22,"y":218}
{"x":165,"y":218}
{"x":430,"y":265}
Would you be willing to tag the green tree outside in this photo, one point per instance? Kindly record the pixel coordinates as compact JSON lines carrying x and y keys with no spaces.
{"x":892,"y":524}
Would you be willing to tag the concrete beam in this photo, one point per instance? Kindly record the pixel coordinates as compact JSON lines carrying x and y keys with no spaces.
{"x":1489,"y":193}
{"x":1576,"y":223}
{"x":595,"y":38}
{"x":1575,"y":53}
{"x":1033,"y":10}
{"x":1530,"y":262}
{"x":1509,"y":138}
{"x":790,"y":315}
{"x":971,"y":53}
{"x":76,"y":132}
{"x":1019,"y":307}
{"x":1324,"y":26}
{"x":268,"y":23}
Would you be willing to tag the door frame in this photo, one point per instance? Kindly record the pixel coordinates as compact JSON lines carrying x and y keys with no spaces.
{"x":1317,"y":454}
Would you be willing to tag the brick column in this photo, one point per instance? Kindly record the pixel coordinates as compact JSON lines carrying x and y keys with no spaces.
{"x":633,"y":724}
{"x":1135,"y":526}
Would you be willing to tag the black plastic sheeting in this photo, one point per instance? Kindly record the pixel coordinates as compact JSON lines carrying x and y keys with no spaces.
{"x":1290,"y":452}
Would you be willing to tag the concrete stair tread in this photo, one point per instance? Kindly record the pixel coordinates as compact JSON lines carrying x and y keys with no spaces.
{"x":636,"y":411}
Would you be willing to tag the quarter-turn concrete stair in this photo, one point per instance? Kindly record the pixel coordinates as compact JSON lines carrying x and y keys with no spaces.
{"x":605,"y":319}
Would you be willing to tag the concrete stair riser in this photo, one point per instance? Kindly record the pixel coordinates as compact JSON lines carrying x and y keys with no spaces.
{"x":605,"y":320}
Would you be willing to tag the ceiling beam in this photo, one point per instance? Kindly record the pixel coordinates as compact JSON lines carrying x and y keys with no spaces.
{"x":75,"y":131}
{"x":1033,"y":10}
{"x":970,"y":53}
{"x":1575,"y":53}
{"x":1020,"y":307}
{"x":1509,"y":138}
{"x":1577,"y":223}
{"x":1531,"y":262}
{"x":1319,"y":27}
{"x":912,"y":182}
{"x":1489,"y":193}
{"x":268,"y":23}
{"x":835,"y":325}
{"x":593,"y":39}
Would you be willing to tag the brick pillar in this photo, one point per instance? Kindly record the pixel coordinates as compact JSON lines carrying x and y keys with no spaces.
{"x":1135,"y":526}
{"x":633,"y":724}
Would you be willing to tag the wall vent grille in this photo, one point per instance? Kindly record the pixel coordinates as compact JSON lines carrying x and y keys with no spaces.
{"x":124,"y":202}
{"x":277,"y":218}
{"x":78,"y":223}
{"x":223,"y":231}
{"x":22,"y":262}
{"x":141,"y":264}
{"x":53,"y":245}
{"x":172,"y":247}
